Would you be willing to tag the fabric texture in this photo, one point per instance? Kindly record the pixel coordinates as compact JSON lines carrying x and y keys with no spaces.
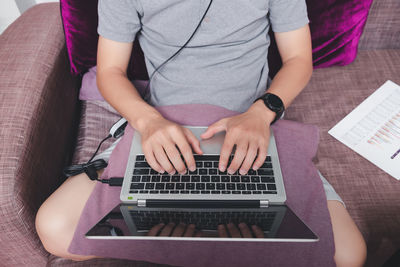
{"x":371,"y":195}
{"x":335,"y":26}
{"x":296,"y":145}
{"x":382,"y":30}
{"x":36,"y":93}
{"x":224,"y":64}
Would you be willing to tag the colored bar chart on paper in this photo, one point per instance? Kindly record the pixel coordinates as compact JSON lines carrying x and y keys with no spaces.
{"x":373,"y":129}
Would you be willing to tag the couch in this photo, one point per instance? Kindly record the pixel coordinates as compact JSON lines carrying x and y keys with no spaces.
{"x":44,"y":127}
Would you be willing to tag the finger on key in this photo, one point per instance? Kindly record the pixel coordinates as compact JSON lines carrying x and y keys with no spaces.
{"x":249,"y":159}
{"x":187,"y":153}
{"x":167,"y":229}
{"x":225,"y":153}
{"x":240,"y":154}
{"x":175,"y":158}
{"x":163,"y":159}
{"x":262,"y":155}
{"x":151,"y":160}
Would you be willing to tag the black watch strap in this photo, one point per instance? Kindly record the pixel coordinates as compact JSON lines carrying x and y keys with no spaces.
{"x":274,"y":103}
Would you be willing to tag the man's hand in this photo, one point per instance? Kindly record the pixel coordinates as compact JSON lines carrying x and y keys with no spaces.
{"x":250,"y":133}
{"x":161,"y":140}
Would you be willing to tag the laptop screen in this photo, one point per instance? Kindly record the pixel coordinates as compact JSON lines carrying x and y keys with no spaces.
{"x":276,"y":223}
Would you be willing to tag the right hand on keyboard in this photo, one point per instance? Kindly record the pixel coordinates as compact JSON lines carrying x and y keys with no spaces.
{"x":161,"y":140}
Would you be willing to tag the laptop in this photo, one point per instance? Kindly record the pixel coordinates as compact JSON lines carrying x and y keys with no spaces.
{"x":217,"y":204}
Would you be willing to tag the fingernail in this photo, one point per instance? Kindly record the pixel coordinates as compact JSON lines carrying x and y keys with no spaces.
{"x":161,"y":171}
{"x":231,"y":171}
{"x":172,"y":173}
{"x":255,"y":168}
{"x":192,"y":169}
{"x":222,"y":168}
{"x":242,"y":172}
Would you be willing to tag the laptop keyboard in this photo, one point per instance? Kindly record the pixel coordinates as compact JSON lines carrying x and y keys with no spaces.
{"x":206,"y":179}
{"x":208,"y":220}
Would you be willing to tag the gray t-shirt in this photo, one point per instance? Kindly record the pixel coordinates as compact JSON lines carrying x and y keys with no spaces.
{"x":225,"y":64}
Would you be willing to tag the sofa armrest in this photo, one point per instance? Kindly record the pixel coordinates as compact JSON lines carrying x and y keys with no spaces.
{"x":39,"y":110}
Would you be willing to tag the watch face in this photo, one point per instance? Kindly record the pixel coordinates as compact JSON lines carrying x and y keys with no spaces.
{"x":274,"y":102}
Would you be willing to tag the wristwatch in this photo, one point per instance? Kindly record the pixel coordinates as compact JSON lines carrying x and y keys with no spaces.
{"x":274,"y":103}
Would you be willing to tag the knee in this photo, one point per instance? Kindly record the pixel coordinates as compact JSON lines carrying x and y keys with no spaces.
{"x":354,"y":253}
{"x":53,"y":229}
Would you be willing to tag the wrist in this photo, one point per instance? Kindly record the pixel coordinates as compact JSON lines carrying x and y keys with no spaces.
{"x":263,"y":111}
{"x":142,"y":119}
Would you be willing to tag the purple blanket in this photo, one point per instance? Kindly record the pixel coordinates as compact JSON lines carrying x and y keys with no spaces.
{"x":297,"y":144}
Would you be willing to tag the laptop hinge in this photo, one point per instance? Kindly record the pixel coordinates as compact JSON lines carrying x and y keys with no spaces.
{"x":264,"y":203}
{"x":141,"y":203}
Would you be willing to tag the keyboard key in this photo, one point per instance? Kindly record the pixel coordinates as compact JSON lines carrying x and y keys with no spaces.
{"x":215,"y":192}
{"x":245,"y":179}
{"x":208,"y":164}
{"x":205,"y":192}
{"x":215,"y":164}
{"x":144,"y":191}
{"x":256,"y":192}
{"x":215,"y":179}
{"x":146,"y":178}
{"x":246,"y":192}
{"x":136,"y":178}
{"x":174,"y":192}
{"x":160,"y":186}
{"x":199,"y":164}
{"x":225,"y":192}
{"x":210,"y":186}
{"x":212,"y":171}
{"x":269,"y":192}
{"x":190,"y":186}
{"x":141,"y":164}
{"x":137,"y":186}
{"x":170,"y":186}
{"x":133,"y":191}
{"x":225,"y":179}
{"x":267,"y":165}
{"x":208,"y":157}
{"x":166,"y":178}
{"x":154,"y":192}
{"x":251,"y":187}
{"x":195,"y":192}
{"x":195,"y":179}
{"x":220,"y":186}
{"x":271,"y":187}
{"x":261,"y":187}
{"x":241,"y":186}
{"x":180,"y":186}
{"x":154,"y":171}
{"x":267,"y":179}
{"x":176,"y":178}
{"x":184,"y":192}
{"x":205,"y":179}
{"x":203,"y":171}
{"x":265,"y":172}
{"x":222,"y":173}
{"x":200,"y":186}
{"x":268,"y":159}
{"x":193,"y":172}
{"x":235,"y":179}
{"x":150,"y":185}
{"x":251,"y":172}
{"x":230,"y":186}
{"x":141,"y":171}
{"x":164,"y":192}
{"x":236,"y":192}
{"x":139,"y":157}
{"x":155,"y":178}
{"x":185,"y":178}
{"x":255,"y":179}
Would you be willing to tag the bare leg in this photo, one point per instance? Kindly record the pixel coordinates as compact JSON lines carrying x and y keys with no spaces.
{"x":58,"y":216}
{"x":349,"y":243}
